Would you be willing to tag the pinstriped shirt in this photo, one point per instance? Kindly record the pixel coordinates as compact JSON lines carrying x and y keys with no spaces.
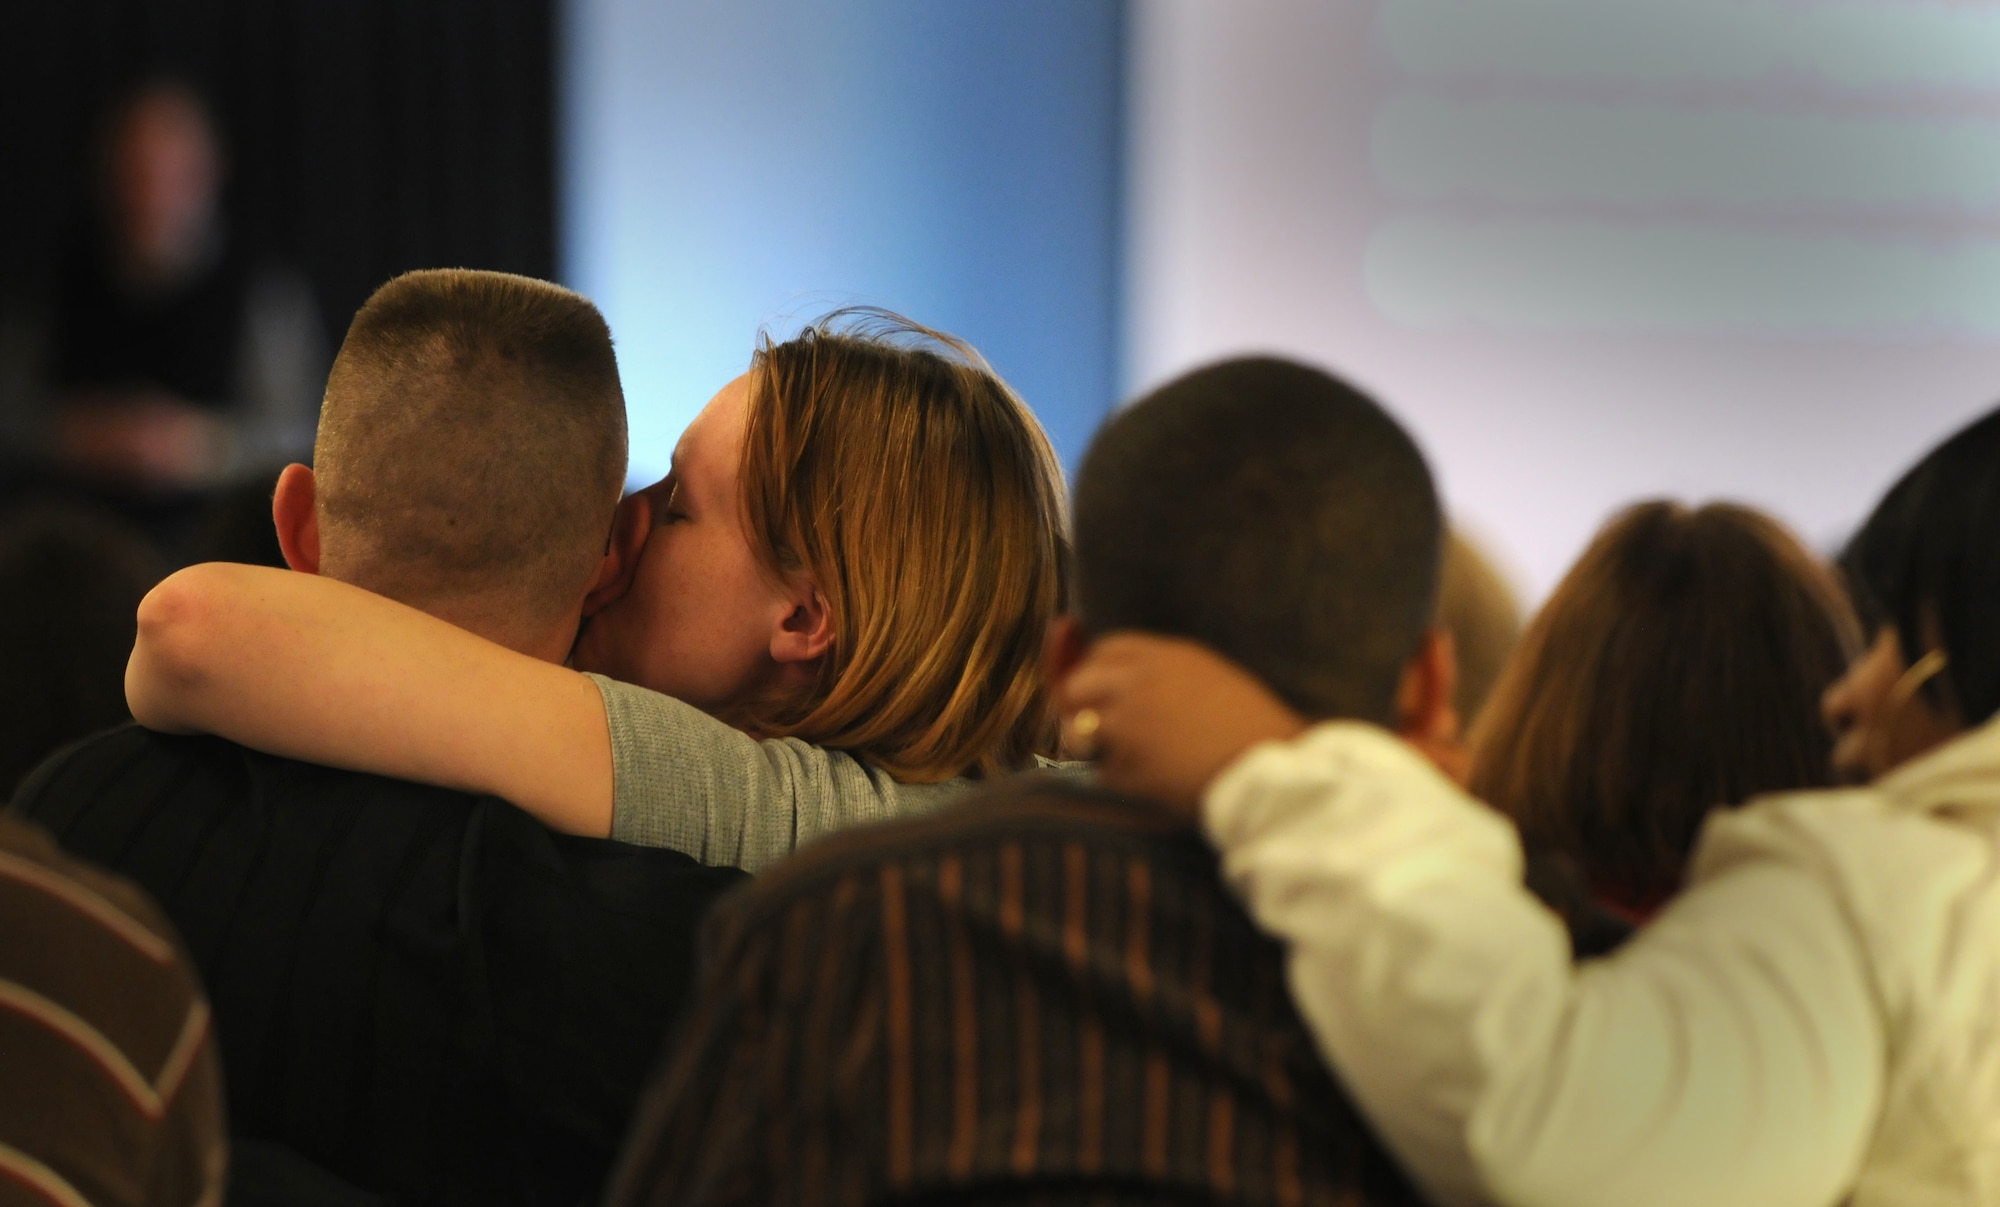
{"x":1042,"y":995}
{"x":425,"y":993}
{"x":109,"y":1089}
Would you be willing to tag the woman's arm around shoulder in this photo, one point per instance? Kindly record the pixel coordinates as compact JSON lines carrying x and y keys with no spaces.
{"x":314,"y":669}
{"x":1731,"y":1053}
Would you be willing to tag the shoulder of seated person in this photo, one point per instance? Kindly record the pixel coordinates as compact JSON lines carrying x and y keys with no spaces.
{"x":143,"y":763}
{"x":1035,"y":806}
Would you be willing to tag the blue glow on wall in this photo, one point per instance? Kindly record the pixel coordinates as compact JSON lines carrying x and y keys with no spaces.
{"x":731,"y":166}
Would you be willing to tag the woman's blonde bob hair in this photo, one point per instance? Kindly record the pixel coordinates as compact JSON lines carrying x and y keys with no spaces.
{"x":890,"y":465}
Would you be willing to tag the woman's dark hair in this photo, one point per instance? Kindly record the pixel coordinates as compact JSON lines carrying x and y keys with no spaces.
{"x":1677,"y":667}
{"x":1927,"y":563}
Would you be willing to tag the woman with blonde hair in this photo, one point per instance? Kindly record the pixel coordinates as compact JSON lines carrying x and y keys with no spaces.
{"x":833,"y":611}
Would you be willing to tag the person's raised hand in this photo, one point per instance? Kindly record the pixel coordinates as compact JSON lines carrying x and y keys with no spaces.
{"x":1165,"y":716}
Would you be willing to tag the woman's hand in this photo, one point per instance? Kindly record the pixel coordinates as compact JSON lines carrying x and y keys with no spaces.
{"x":1167,"y":715}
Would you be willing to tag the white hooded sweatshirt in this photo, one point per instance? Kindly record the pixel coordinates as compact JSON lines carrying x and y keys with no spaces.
{"x":1816,"y":1016}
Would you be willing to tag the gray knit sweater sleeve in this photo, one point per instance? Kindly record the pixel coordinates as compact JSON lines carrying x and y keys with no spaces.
{"x":684,"y":780}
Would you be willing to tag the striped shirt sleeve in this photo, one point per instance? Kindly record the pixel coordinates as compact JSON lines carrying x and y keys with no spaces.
{"x":1043,"y":996}
{"x":109,"y":1087}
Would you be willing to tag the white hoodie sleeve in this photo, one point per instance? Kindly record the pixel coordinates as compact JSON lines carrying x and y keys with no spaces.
{"x":1730,"y":1054}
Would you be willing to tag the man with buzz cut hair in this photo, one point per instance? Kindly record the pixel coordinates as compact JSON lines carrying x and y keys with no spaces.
{"x":422,"y":992}
{"x":471,"y":453}
{"x":1046,"y":995}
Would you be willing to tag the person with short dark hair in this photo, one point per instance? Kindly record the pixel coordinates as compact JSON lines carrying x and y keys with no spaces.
{"x":1296,"y":472}
{"x":1676,"y":668}
{"x":471,"y":451}
{"x":1044,"y":994}
{"x":1926,"y":584}
{"x":422,"y":991}
{"x":1810,"y":1021}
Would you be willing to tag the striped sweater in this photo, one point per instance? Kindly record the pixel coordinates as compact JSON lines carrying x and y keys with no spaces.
{"x":1043,"y":995}
{"x":109,"y":1089}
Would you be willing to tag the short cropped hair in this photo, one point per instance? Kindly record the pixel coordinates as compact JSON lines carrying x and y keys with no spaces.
{"x":1926,"y":564}
{"x":472,"y":443}
{"x":1678,"y":667}
{"x":891,"y":464}
{"x":1273,"y":513}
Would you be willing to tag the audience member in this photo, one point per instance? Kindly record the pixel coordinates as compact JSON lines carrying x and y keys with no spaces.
{"x":842,"y":593}
{"x":109,"y":1092}
{"x":1045,"y":995}
{"x":70,"y":581}
{"x":171,"y":355}
{"x":1480,"y":612}
{"x":423,"y":992}
{"x":1677,"y":667}
{"x":1809,"y":1022}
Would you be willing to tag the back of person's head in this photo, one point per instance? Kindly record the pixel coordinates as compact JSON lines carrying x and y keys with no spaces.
{"x":1273,"y":513}
{"x":1927,"y":563}
{"x":471,"y":446}
{"x":70,"y":585}
{"x":1480,"y":612}
{"x":1676,"y":668}
{"x":888,"y":462}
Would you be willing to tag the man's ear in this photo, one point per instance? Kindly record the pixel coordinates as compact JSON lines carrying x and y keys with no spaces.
{"x":806,"y":632}
{"x":296,"y":515}
{"x":1425,"y":714}
{"x":1063,"y":647}
{"x":631,"y":523}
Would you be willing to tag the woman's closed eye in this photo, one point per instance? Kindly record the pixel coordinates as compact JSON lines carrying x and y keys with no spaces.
{"x":673,"y":507}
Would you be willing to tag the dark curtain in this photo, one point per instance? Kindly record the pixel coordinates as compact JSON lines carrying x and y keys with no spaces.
{"x":365,"y":137}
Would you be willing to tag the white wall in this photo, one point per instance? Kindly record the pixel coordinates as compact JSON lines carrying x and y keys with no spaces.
{"x":1591,"y":250}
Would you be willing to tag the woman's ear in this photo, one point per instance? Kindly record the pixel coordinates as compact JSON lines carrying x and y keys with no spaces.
{"x":806,"y":632}
{"x":295,"y":513}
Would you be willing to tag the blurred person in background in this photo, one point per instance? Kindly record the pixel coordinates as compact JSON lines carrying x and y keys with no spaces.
{"x":1478,"y":612}
{"x":70,"y":584}
{"x":168,"y":356}
{"x":1677,"y":668}
{"x":1482,"y":614}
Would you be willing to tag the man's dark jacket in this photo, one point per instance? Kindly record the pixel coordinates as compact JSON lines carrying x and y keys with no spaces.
{"x":425,"y":992}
